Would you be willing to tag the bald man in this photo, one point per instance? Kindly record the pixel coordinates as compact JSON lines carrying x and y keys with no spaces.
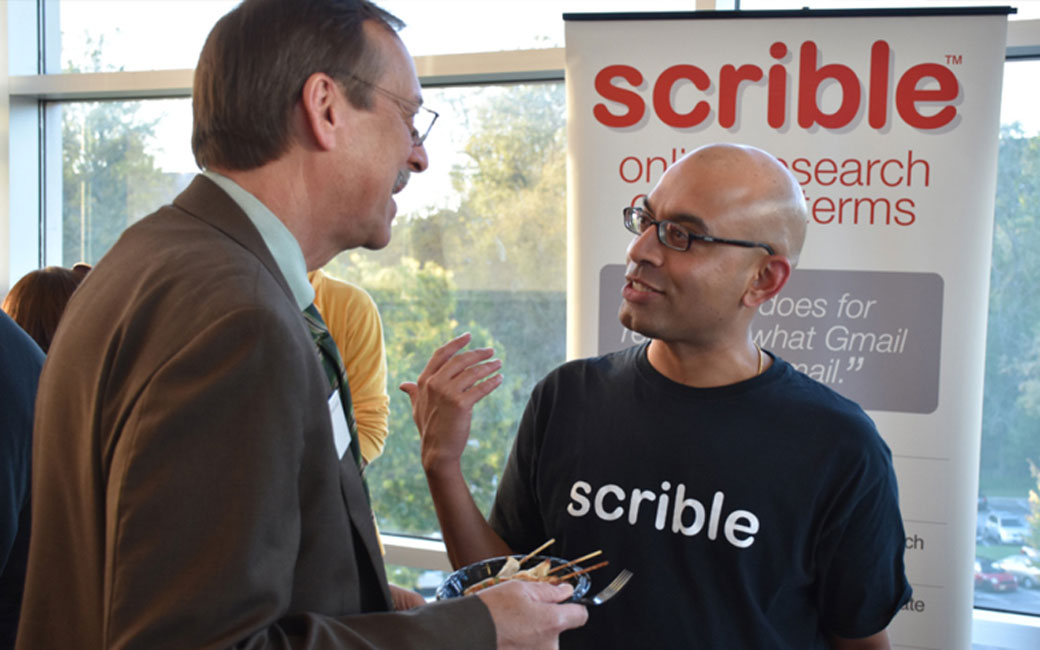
{"x":757,"y":507}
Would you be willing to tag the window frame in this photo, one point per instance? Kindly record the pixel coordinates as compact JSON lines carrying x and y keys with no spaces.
{"x":23,"y":228}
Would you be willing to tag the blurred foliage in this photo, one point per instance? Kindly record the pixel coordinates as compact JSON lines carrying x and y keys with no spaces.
{"x":1011,"y":407}
{"x":109,"y":180}
{"x":995,"y":552}
{"x":418,"y":307}
{"x":493,"y":265}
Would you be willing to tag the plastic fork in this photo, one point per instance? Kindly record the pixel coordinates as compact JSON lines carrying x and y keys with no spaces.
{"x":609,"y":591}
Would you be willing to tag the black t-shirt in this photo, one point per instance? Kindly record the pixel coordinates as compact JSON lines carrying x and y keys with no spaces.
{"x":758,"y":515}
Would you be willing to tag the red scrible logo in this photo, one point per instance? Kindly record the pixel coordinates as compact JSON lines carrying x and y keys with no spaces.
{"x":925,"y":83}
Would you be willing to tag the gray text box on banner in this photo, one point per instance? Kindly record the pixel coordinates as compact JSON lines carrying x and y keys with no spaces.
{"x":874,"y":336}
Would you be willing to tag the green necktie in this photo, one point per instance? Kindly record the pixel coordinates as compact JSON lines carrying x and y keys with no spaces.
{"x":332,"y":364}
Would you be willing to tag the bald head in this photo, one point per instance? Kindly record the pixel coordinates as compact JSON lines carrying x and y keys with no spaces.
{"x":748,"y":189}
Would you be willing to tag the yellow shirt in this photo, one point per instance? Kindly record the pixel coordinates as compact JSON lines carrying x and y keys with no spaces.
{"x":353,"y":320}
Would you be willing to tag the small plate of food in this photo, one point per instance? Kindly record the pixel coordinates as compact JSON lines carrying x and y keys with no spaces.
{"x":535,"y":568}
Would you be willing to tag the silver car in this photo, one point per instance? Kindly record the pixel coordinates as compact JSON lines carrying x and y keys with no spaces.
{"x":1005,"y":528}
{"x":1025,"y":569}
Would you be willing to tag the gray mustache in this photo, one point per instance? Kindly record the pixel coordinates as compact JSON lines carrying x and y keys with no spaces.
{"x":402,"y":179}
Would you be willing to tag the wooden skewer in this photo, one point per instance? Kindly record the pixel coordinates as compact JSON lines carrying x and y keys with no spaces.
{"x":585,"y":570}
{"x":537,"y":551}
{"x":572,"y":562}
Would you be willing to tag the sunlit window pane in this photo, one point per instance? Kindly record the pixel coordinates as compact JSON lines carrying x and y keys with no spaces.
{"x":1007,"y":573}
{"x":105,"y":35}
{"x":458,"y":26}
{"x":168,"y":34}
{"x":419,"y":580}
{"x":479,"y":246}
{"x":120,"y":161}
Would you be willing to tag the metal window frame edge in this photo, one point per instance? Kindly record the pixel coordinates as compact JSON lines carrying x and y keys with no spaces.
{"x":440,"y":70}
{"x":1023,"y":39}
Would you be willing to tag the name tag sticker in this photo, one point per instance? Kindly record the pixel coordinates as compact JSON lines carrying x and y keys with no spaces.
{"x":340,"y":430}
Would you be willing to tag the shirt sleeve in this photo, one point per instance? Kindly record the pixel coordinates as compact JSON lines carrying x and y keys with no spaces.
{"x":862,"y":576}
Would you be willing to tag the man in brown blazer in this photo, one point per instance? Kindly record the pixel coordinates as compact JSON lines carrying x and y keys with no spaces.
{"x":189,"y":487}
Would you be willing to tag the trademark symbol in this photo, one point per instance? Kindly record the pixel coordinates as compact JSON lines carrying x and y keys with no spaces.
{"x":954,"y":59}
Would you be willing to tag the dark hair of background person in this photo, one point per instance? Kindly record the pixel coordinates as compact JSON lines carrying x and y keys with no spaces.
{"x":253,"y":66}
{"x":37,"y":301}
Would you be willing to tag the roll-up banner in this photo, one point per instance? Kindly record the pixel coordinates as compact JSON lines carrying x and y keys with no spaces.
{"x":889,"y":120}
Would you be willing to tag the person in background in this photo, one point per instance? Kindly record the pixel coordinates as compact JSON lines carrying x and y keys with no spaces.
{"x":196,"y":480}
{"x":756,"y":507}
{"x":20,"y":362}
{"x":353,"y":320}
{"x":37,"y":301}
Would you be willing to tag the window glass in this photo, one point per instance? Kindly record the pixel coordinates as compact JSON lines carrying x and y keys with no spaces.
{"x":120,"y":161}
{"x":503,"y":24}
{"x":1007,"y":573}
{"x":423,"y":581}
{"x":479,"y":246}
{"x":168,"y":34}
{"x":108,"y":35}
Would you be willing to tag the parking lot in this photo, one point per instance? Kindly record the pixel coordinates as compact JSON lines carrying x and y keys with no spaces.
{"x":1019,"y":600}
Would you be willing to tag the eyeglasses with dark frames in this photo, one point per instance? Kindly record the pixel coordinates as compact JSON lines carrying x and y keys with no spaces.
{"x":422,"y":118}
{"x":675,"y":236}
